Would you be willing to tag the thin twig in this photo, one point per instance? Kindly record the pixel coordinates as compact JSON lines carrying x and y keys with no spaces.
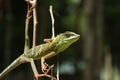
{"x":46,"y":75}
{"x":53,"y":20}
{"x":51,"y":73}
{"x":35,"y":26}
{"x":53,"y":36}
{"x":34,"y":3}
{"x":28,"y":16}
{"x":58,"y":68}
{"x":53,"y":31}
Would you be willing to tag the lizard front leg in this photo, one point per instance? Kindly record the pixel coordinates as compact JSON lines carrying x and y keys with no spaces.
{"x":45,"y":67}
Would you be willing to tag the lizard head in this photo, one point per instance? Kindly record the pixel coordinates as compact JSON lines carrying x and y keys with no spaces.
{"x":64,"y":40}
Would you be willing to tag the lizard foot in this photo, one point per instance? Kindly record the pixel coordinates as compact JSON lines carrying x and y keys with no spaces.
{"x":48,"y":40}
{"x":46,"y":68}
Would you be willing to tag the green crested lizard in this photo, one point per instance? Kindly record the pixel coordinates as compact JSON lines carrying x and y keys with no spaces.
{"x":46,"y":50}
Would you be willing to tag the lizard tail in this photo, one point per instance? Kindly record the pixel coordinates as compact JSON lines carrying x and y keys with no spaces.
{"x":13,"y":65}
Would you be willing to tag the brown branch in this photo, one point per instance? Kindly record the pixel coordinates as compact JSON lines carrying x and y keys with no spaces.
{"x":28,"y":16}
{"x":35,"y":26}
{"x":46,"y":75}
{"x":33,"y":4}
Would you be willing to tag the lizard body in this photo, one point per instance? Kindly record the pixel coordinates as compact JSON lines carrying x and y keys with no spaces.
{"x":46,"y":50}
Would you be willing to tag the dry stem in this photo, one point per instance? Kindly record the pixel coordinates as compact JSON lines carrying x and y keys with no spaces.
{"x":53,"y":20}
{"x":34,"y":3}
{"x":28,"y":16}
{"x":53,"y":36}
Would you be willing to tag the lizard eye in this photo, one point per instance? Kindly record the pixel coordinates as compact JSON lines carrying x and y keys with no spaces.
{"x":67,"y":35}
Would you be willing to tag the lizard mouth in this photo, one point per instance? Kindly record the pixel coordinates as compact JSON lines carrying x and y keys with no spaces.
{"x":73,"y":38}
{"x":77,"y":36}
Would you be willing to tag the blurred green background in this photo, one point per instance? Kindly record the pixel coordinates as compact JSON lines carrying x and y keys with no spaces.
{"x":95,"y":56}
